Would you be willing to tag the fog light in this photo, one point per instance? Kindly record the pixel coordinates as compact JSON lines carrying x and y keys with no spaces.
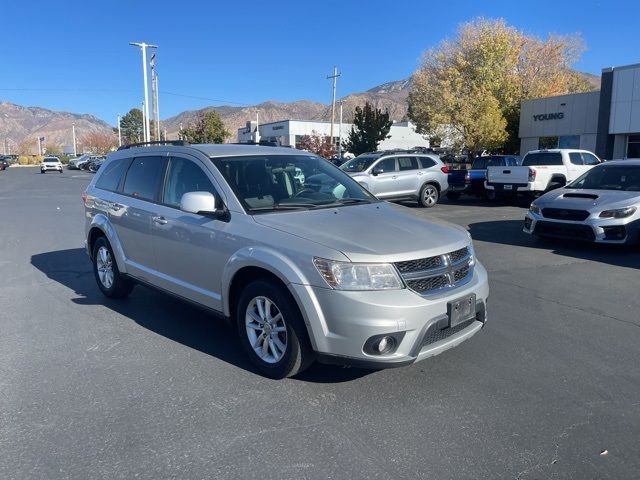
{"x":527,"y":223}
{"x":386,"y":345}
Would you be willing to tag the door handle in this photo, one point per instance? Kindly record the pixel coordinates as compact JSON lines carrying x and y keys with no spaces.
{"x":160,"y":220}
{"x":419,"y":173}
{"x":394,"y":177}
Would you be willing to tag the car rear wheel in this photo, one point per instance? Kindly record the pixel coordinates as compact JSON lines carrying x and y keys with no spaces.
{"x":109,"y":279}
{"x":489,"y":195}
{"x":429,"y":195}
{"x":272,"y":330}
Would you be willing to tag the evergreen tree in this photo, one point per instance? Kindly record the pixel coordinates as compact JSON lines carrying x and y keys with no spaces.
{"x":370,"y":127}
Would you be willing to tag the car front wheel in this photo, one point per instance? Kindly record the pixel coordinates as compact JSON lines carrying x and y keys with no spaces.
{"x":272,"y":330}
{"x":429,"y":195}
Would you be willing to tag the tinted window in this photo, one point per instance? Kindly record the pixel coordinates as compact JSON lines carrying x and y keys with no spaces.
{"x":542,"y":158}
{"x":111,"y":174}
{"x":479,"y":164}
{"x":427,"y":162}
{"x":184,"y":176}
{"x":407,"y":163}
{"x":590,"y":159}
{"x":610,"y":177}
{"x":142,"y":177}
{"x":575,"y":158}
{"x":387,"y":165}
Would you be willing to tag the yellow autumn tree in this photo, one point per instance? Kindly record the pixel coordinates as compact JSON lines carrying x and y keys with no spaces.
{"x":475,"y":83}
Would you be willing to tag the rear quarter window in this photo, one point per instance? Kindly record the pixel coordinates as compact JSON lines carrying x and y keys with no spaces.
{"x":542,"y":158}
{"x":111,"y":174}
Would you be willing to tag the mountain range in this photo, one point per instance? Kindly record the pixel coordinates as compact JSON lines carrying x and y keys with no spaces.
{"x":18,"y":123}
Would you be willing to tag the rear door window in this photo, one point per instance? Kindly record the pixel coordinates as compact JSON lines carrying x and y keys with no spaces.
{"x":576,"y":158}
{"x":407,"y":163}
{"x":542,"y":158}
{"x":143,"y":178}
{"x":111,"y":174}
{"x":387,"y":165}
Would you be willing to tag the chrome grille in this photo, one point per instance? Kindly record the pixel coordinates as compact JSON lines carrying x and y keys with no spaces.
{"x":433,"y":274}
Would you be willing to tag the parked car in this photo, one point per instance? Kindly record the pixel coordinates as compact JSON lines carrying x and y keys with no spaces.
{"x":78,"y":162}
{"x":94,"y":165}
{"x":4,"y":163}
{"x":319,"y":271}
{"x":541,"y":171}
{"x":50,"y":164}
{"x":398,"y":175}
{"x":471,"y":182}
{"x":90,"y":164}
{"x":602,"y":206}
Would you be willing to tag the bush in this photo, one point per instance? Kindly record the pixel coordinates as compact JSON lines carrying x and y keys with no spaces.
{"x":29,"y":159}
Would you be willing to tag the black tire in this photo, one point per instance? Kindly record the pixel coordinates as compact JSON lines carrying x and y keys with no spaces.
{"x":120,"y":286}
{"x":42,"y":171}
{"x":298,"y":354}
{"x":490,"y":195}
{"x":429,"y":195}
{"x":454,"y":196}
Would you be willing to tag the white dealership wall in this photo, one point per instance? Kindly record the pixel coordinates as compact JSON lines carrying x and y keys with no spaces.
{"x":560,"y":116}
{"x":288,"y":133}
{"x":624,"y":119}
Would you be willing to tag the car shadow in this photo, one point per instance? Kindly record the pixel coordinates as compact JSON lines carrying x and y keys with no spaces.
{"x":167,"y":316}
{"x":509,"y":232}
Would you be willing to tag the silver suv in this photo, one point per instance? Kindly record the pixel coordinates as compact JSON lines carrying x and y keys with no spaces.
{"x":302,"y":260}
{"x":400,"y":175}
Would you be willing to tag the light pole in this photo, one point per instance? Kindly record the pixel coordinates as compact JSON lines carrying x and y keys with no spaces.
{"x":73,"y":129}
{"x":119,"y":133}
{"x":145,"y":125}
{"x":143,"y":46}
{"x":333,"y":99}
{"x":340,"y":133}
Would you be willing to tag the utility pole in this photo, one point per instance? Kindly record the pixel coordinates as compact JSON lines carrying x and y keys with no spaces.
{"x":143,"y":46}
{"x":333,"y":99}
{"x":73,"y":129}
{"x":119,"y":133}
{"x":340,"y":133}
{"x":154,"y":97}
{"x":145,"y":125}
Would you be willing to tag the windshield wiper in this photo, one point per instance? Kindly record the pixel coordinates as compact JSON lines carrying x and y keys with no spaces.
{"x":287,"y":206}
{"x":346,"y":201}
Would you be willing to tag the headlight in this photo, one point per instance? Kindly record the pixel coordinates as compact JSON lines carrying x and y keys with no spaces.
{"x":618,"y":213}
{"x":534,"y":209}
{"x":358,"y":276}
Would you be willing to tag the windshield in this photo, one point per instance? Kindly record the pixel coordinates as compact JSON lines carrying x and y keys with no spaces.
{"x":359,"y":164}
{"x":610,"y":177}
{"x":265,"y":183}
{"x":51,"y":160}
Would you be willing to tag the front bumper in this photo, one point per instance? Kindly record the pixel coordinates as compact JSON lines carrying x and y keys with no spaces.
{"x":340,"y":322}
{"x":595,"y":230}
{"x":46,"y":169}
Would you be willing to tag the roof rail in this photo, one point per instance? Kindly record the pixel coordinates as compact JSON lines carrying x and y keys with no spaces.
{"x":177,"y":143}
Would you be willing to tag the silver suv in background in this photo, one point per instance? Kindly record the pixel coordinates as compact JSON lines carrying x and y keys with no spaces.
{"x":400,"y":175}
{"x":51,"y":164}
{"x":303,"y":261}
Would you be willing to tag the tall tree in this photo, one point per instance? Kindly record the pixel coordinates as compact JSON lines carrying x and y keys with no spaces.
{"x":99,"y":142}
{"x":131,"y":127}
{"x":370,"y":127}
{"x":208,"y":128}
{"x":475,"y":83}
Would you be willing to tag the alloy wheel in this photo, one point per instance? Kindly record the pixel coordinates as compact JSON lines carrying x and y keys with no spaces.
{"x":266,"y":329}
{"x":104,"y":264}
{"x":430,"y":195}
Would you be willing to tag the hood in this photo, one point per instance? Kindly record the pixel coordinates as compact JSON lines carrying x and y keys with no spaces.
{"x":377,"y":232}
{"x":590,"y":200}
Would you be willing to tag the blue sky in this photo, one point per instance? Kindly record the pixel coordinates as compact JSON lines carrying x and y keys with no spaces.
{"x":74,"y":55}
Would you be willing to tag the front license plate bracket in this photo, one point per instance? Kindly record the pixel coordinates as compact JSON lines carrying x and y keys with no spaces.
{"x":461,"y":310}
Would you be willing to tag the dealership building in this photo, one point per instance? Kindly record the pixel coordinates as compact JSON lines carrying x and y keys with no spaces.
{"x":290,"y":133}
{"x":606,"y":122}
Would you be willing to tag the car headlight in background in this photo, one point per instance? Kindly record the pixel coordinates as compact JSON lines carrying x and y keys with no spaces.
{"x":534,"y":209}
{"x":618,"y":213}
{"x":358,"y":276}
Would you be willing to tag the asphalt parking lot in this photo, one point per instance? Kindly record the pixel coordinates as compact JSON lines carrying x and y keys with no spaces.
{"x":150,"y":387}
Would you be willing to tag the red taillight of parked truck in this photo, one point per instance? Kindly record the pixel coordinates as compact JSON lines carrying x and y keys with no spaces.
{"x":532,"y":175}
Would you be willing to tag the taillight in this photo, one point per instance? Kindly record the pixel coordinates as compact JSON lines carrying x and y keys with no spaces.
{"x":532,"y":175}
{"x":84,"y":196}
{"x":467,"y":178}
{"x":445,"y":169}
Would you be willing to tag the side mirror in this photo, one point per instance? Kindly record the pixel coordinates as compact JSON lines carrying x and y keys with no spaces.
{"x":202,"y":203}
{"x":376,"y":171}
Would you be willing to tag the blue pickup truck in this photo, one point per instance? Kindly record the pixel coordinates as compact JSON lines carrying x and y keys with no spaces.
{"x":471,"y":182}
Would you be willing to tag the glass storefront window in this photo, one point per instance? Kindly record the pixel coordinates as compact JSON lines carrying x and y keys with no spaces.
{"x":569,"y":141}
{"x":633,"y":146}
{"x":545,"y":143}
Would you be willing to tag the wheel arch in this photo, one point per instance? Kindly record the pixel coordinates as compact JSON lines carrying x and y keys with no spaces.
{"x":101,"y":227}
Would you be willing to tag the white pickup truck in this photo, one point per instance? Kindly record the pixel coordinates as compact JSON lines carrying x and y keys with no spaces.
{"x":541,"y":171}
